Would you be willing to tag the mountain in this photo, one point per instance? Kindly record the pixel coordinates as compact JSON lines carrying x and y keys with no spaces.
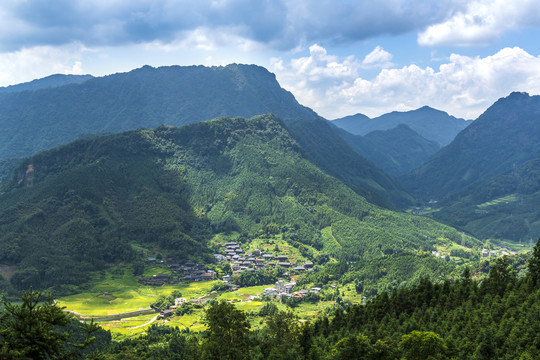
{"x":432,"y":124}
{"x":175,"y":95}
{"x":145,"y":97}
{"x":505,"y":207}
{"x":51,"y":81}
{"x":503,"y":137}
{"x":353,"y":124}
{"x":396,"y":151}
{"x":69,"y":211}
{"x":332,"y":154}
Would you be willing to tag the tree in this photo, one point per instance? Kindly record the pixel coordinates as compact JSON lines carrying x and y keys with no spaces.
{"x":36,"y":329}
{"x":421,"y":345}
{"x":227,"y":333}
{"x":534,"y":265}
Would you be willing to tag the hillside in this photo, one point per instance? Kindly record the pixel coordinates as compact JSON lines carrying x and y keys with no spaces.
{"x":51,"y":81}
{"x":145,"y":97}
{"x":175,"y":95}
{"x":332,"y":154}
{"x":71,"y":210}
{"x":432,"y":124}
{"x":396,"y":151}
{"x":505,"y":207}
{"x":503,"y":137}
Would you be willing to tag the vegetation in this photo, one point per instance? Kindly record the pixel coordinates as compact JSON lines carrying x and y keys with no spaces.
{"x":38,"y":329}
{"x":396,"y":151}
{"x":467,"y":319}
{"x":502,"y":138}
{"x":70,"y":211}
{"x":502,"y":208}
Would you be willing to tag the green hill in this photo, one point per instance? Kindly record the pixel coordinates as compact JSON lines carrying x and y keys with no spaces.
{"x":504,"y":136}
{"x":32,"y":121}
{"x":505,"y":207}
{"x":396,"y":151}
{"x":71,"y":210}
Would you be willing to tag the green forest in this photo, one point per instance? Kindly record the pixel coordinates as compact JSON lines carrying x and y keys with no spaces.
{"x":496,"y":318}
{"x":169,"y":191}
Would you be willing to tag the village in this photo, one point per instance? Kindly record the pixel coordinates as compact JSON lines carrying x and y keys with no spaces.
{"x":240,"y":261}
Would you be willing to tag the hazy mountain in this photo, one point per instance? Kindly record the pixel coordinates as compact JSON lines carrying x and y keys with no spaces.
{"x":432,"y":124}
{"x":70,"y":210}
{"x":51,"y":81}
{"x":504,"y":136}
{"x":396,"y":151}
{"x":148,"y":97}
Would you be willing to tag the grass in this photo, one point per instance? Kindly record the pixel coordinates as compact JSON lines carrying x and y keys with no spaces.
{"x":125,"y":294}
{"x":502,"y":200}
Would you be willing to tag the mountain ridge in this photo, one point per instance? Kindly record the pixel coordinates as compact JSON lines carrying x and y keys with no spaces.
{"x":432,"y":124}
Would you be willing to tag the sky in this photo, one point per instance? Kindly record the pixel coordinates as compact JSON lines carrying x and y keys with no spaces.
{"x":338,"y":57}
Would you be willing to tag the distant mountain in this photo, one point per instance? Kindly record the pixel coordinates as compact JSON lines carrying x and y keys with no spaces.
{"x":505,"y":207}
{"x":504,"y":136}
{"x":353,"y":124}
{"x":48,"y":82}
{"x":71,"y":210}
{"x":432,"y":124}
{"x":332,"y":154}
{"x":396,"y":151}
{"x":174,"y":95}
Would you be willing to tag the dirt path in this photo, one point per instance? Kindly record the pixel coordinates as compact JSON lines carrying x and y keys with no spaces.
{"x":148,"y":323}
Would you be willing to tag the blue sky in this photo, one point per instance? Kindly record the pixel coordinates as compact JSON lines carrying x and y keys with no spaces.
{"x":338,"y":57}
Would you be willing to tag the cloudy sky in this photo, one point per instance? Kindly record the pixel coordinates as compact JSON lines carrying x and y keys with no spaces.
{"x":338,"y":57}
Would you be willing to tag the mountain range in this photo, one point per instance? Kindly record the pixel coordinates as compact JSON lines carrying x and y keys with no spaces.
{"x":31,"y":121}
{"x":396,"y":151}
{"x":503,"y":137}
{"x":71,"y":210}
{"x":432,"y":124}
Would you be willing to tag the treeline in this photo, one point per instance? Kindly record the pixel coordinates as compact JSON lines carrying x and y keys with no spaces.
{"x":494,"y":319}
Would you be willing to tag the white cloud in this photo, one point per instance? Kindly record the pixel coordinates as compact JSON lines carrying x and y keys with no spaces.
{"x":31,"y":63}
{"x":378,"y":57}
{"x":464,"y":86}
{"x":482,"y":22}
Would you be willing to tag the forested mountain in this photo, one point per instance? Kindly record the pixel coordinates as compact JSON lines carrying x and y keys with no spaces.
{"x":432,"y":124}
{"x":51,"y":81}
{"x":148,"y":97}
{"x":505,"y":207}
{"x":503,"y":137}
{"x":396,"y":151}
{"x":71,"y":210}
{"x":145,"y":97}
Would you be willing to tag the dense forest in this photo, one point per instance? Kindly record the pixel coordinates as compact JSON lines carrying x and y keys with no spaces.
{"x":170,"y":190}
{"x":496,"y":318}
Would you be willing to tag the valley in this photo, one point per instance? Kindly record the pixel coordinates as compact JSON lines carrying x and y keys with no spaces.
{"x":162,"y":209}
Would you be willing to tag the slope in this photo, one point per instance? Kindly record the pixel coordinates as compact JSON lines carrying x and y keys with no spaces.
{"x":396,"y":151}
{"x":505,"y":207}
{"x":69,"y":211}
{"x":432,"y":124}
{"x":148,"y":97}
{"x":51,"y":81}
{"x":504,"y":136}
{"x":145,"y":97}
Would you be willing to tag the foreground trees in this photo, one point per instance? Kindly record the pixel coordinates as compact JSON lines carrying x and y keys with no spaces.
{"x":37,"y":329}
